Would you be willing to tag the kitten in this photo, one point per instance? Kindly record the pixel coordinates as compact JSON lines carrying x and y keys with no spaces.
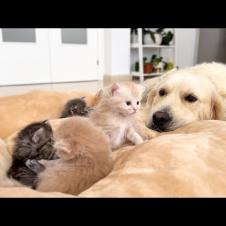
{"x":115,"y":113}
{"x":76,"y":107}
{"x":35,"y":141}
{"x":85,"y":158}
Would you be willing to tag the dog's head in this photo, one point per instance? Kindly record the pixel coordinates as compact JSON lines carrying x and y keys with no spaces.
{"x":180,"y":99}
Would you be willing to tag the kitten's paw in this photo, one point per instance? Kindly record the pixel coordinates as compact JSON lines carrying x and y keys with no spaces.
{"x":55,"y":156}
{"x":150,"y":134}
{"x":34,"y":165}
{"x":133,"y":136}
{"x":139,"y":140}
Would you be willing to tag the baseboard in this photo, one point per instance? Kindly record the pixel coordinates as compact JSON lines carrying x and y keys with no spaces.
{"x":115,"y":78}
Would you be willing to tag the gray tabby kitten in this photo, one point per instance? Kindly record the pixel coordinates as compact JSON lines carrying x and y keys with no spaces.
{"x":33,"y":143}
{"x":75,"y":107}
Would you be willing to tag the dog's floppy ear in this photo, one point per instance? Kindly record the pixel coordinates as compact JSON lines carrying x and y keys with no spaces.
{"x":150,"y":96}
{"x":217,"y":107}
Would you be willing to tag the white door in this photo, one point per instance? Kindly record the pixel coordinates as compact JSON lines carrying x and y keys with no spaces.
{"x":24,"y":56}
{"x":74,"y":54}
{"x":33,"y":56}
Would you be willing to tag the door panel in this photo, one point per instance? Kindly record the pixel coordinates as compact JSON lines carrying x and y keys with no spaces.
{"x":24,"y":59}
{"x":73,"y":54}
{"x":33,"y":56}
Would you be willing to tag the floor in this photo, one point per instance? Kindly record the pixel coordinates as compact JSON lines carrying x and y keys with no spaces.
{"x":92,"y":86}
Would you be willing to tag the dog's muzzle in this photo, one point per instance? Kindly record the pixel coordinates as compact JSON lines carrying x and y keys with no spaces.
{"x":160,"y":121}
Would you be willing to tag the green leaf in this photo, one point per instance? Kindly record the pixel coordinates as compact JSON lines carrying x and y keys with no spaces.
{"x":152,"y":34}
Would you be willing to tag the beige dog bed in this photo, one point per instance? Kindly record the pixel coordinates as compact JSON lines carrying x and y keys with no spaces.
{"x":187,"y":162}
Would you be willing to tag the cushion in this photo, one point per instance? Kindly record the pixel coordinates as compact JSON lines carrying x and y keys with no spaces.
{"x":20,"y":110}
{"x":188,"y":162}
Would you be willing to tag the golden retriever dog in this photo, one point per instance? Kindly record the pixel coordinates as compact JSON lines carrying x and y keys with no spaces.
{"x":186,"y":95}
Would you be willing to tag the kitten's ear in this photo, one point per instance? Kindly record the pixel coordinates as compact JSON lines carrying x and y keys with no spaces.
{"x":114,"y":88}
{"x":37,"y":135}
{"x":45,"y":121}
{"x":141,"y":88}
{"x":62,"y":150}
{"x":66,"y":152}
{"x":82,"y":98}
{"x":99,"y":93}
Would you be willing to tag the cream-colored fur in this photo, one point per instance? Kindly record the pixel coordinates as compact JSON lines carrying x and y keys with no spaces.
{"x":188,"y":162}
{"x":206,"y":81}
{"x":5,"y":162}
{"x":115,"y":117}
{"x":85,"y":158}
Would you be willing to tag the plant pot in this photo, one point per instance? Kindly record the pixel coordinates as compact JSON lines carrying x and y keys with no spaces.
{"x":158,"y":39}
{"x":134,"y":38}
{"x":148,"y":40}
{"x":148,"y":68}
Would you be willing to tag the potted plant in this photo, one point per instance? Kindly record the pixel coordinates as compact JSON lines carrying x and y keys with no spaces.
{"x":167,"y":37}
{"x":147,"y":66}
{"x":157,"y":63}
{"x":134,"y":35}
{"x":153,"y":37}
{"x":137,"y":68}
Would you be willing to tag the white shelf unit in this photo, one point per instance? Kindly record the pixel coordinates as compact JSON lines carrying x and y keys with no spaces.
{"x":144,"y":48}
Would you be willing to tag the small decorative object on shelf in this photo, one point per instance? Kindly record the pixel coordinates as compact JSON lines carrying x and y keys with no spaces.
{"x":169,"y":65}
{"x":157,"y":63}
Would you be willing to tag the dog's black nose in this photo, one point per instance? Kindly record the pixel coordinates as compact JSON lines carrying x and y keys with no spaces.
{"x":161,"y":120}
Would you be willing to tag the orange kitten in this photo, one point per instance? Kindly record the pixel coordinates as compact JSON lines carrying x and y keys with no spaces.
{"x":85,"y":158}
{"x":115,"y":113}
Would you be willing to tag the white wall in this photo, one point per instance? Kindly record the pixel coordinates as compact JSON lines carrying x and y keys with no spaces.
{"x":107,"y":51}
{"x":215,"y":39}
{"x":117,"y":51}
{"x":186,"y":46}
{"x":120,"y":53}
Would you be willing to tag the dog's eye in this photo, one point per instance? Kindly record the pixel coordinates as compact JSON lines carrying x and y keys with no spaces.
{"x":190,"y":98}
{"x":138,"y":102}
{"x":128,"y":103}
{"x":162,"y":92}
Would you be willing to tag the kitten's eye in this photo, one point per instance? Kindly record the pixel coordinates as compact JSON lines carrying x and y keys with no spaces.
{"x":162,"y":92}
{"x":138,"y":102}
{"x":128,"y":103}
{"x":190,"y":98}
